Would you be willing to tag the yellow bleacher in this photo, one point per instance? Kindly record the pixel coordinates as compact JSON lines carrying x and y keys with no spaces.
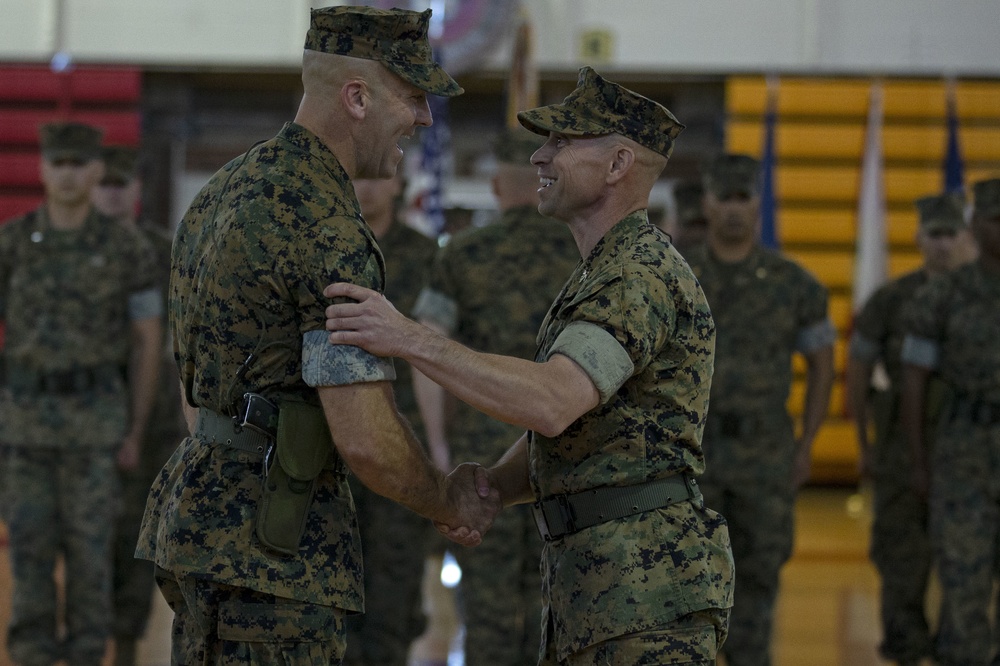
{"x":819,"y":143}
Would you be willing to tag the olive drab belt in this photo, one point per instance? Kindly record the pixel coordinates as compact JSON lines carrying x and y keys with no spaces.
{"x":560,"y":515}
{"x":221,"y":429}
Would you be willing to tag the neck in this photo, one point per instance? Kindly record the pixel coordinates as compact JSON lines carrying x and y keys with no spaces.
{"x":590,"y":228}
{"x":380,"y":225}
{"x":68,"y":217}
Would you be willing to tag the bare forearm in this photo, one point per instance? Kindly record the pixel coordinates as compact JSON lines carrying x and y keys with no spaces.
{"x":819,"y":381}
{"x":381,"y":450}
{"x":545,"y":397}
{"x":858,"y":379}
{"x":510,"y":474}
{"x":911,"y":407}
{"x":144,"y":372}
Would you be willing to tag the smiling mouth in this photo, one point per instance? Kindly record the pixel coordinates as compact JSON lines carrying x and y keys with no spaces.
{"x":545,"y":182}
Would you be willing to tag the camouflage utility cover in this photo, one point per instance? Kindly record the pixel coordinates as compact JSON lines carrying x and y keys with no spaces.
{"x":395,"y":37}
{"x":599,"y":107}
{"x":70,"y":141}
{"x":121,"y":163}
{"x":730,"y":175}
{"x":250,"y":261}
{"x":627,"y":575}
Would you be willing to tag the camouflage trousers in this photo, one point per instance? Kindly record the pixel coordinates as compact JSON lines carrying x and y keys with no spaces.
{"x":965,"y":530}
{"x":132,"y":581}
{"x":500,"y":597}
{"x":748,"y":479}
{"x":222,"y":625}
{"x":59,"y":502}
{"x":394,"y":543}
{"x":901,"y":551}
{"x":692,"y":640}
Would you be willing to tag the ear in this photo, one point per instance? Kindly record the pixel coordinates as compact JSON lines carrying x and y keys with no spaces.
{"x":355,"y":98}
{"x":621,"y":162}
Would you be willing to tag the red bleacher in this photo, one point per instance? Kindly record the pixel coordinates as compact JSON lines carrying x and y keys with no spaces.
{"x":33,"y":95}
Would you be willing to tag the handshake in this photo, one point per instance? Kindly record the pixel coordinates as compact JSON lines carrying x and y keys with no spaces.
{"x":472,"y":501}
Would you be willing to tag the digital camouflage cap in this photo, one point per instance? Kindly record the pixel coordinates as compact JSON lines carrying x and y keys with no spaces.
{"x":986,"y":195}
{"x":941,"y":212}
{"x":70,"y":141}
{"x":120,"y":164}
{"x":731,"y":175}
{"x":395,"y":37}
{"x":516,"y":146}
{"x":599,"y":107}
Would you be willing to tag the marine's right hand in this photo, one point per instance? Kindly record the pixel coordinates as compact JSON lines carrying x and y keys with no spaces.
{"x":476,"y":501}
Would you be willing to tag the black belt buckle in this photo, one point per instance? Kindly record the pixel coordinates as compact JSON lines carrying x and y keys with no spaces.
{"x":554,"y":517}
{"x":258,"y":413}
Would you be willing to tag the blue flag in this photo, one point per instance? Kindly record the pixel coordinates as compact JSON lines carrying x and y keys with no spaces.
{"x":768,"y":201}
{"x":954,"y":169}
{"x":435,"y":151}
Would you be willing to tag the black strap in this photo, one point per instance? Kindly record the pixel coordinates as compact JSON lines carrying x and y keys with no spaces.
{"x":566,"y":514}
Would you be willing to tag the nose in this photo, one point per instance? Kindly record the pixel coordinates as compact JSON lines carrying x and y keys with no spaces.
{"x":424,"y":118}
{"x":542,"y":155}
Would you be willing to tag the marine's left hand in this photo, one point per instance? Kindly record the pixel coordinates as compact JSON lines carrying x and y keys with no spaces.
{"x":370,"y":322}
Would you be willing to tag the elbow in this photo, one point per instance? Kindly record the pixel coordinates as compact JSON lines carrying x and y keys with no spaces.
{"x":552,"y":423}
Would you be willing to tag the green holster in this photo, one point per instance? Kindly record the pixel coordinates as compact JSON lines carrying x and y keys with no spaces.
{"x":302,"y":449}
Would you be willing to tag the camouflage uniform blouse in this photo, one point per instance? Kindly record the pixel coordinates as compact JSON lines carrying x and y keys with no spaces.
{"x":490,"y":289}
{"x":879,"y":329}
{"x":765,"y":307}
{"x":69,"y":297}
{"x":250,"y":261}
{"x":634,"y":318}
{"x":953,"y":325}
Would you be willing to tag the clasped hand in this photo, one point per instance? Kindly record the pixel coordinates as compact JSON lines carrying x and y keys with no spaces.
{"x":475,"y":502}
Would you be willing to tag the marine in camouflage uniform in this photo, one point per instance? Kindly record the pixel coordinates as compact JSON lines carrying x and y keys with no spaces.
{"x":490,"y":290}
{"x":250,"y":260}
{"x":766,"y":308}
{"x":393,"y":538}
{"x":953,"y":324}
{"x":75,"y":287}
{"x":116,"y":196}
{"x":639,"y":571}
{"x":900,"y":547}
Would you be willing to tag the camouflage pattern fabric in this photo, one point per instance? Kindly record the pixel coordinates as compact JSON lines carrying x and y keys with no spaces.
{"x":394,"y":540}
{"x":397,"y":38}
{"x":959,"y":314}
{"x":500,"y":280}
{"x":761,"y":306}
{"x":65,"y":296}
{"x":598,"y":106}
{"x":251,"y":258}
{"x":133,"y":579}
{"x":692,"y":640}
{"x":233,"y":626}
{"x":900,"y":545}
{"x":61,"y":502}
{"x":66,"y":299}
{"x":609,"y":580}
